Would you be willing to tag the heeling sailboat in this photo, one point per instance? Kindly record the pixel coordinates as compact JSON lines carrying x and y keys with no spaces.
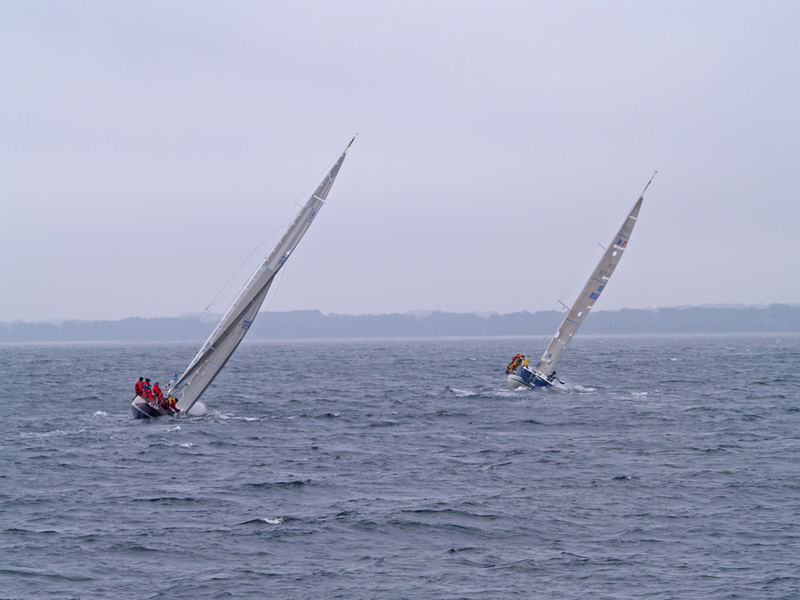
{"x":543,"y":373}
{"x":233,"y":326}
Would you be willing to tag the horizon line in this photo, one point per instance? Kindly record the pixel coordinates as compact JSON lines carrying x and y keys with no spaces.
{"x":412,"y":312}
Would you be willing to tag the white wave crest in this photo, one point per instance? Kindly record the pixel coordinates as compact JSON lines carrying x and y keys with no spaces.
{"x":463,"y":393}
{"x":198,"y":410}
{"x":54,"y":433}
{"x":580,"y":388}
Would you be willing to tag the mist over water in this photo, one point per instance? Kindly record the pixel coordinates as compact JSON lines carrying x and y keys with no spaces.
{"x":406,"y":469}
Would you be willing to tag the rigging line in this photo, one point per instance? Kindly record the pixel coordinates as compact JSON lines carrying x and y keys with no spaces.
{"x":298,"y":201}
{"x":580,"y":273}
{"x":258,"y":248}
{"x":653,"y":176}
{"x":274,"y":291}
{"x":588,"y":265}
{"x":612,"y":231}
{"x":238,"y":270}
{"x":191,"y":327}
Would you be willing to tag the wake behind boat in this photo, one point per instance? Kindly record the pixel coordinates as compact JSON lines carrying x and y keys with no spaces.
{"x":185,"y":390}
{"x":543,"y":374}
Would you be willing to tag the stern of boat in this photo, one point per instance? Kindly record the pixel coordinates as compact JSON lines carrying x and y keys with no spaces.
{"x":142,"y":409}
{"x":515,"y":382}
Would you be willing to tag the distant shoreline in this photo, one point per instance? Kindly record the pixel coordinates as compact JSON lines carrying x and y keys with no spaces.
{"x":313,"y":324}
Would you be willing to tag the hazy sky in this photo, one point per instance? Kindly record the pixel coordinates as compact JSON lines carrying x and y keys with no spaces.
{"x":147,"y":148}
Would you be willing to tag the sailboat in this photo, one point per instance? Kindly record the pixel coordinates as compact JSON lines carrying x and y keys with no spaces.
{"x":184,"y":391}
{"x":543,"y":374}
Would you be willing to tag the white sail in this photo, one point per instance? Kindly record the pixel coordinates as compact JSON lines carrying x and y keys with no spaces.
{"x":232,"y":328}
{"x":590,"y":293}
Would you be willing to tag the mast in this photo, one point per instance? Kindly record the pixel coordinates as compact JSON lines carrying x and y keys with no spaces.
{"x":591,"y":291}
{"x":233,"y":326}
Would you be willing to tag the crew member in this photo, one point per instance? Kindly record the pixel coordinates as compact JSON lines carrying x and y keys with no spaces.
{"x":514,"y":363}
{"x":158,"y":393}
{"x":139,"y":387}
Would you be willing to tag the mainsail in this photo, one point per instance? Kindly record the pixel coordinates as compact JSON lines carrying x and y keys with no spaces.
{"x":230,"y":331}
{"x":590,"y":293}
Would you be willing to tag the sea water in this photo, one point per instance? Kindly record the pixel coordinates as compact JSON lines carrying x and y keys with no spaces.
{"x":669,"y":467}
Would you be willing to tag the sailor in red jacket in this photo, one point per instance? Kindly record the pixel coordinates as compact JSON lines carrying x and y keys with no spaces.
{"x":158,"y":393}
{"x":139,"y":387}
{"x":148,"y":391}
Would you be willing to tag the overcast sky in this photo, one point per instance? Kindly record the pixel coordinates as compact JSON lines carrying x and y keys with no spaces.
{"x":147,"y":148}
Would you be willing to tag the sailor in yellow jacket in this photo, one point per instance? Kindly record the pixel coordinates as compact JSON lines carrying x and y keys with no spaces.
{"x":515,"y":362}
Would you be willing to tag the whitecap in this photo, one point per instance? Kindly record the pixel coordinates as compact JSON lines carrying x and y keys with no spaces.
{"x":186,"y":445}
{"x":638,"y":393}
{"x":198,"y":410}
{"x":54,"y":433}
{"x":173,"y":428}
{"x":100,"y":413}
{"x":462,"y":393}
{"x":275,"y":521}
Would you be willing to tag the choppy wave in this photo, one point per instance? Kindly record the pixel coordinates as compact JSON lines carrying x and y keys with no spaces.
{"x":460,"y":393}
{"x":408,"y":469}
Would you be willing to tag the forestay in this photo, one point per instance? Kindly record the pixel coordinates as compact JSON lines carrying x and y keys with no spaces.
{"x":590,"y":293}
{"x":224,"y":340}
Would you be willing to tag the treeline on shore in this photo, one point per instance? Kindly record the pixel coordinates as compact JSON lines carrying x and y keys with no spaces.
{"x":307,"y":324}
